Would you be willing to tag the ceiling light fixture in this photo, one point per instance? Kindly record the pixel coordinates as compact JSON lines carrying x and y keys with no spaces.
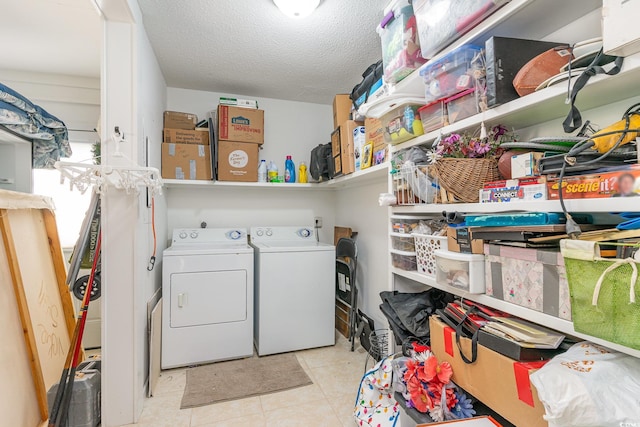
{"x":297,"y":8}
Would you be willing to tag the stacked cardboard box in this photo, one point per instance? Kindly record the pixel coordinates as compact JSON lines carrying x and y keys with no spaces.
{"x":186,"y":153}
{"x":240,"y":134}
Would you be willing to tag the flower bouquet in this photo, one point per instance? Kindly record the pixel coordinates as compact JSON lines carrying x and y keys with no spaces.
{"x":464,"y":162}
{"x":426,"y":386}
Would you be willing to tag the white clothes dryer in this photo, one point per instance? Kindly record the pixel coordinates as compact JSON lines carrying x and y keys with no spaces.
{"x":207,"y":304}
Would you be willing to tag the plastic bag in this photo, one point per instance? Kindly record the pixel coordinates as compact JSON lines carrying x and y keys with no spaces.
{"x":590,"y":386}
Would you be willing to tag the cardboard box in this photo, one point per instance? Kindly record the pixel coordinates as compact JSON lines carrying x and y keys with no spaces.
{"x":374,"y":133}
{"x":178,"y":120}
{"x":461,"y":240}
{"x":532,"y":278}
{"x":342,"y":147}
{"x":359,"y":140}
{"x":496,"y":380}
{"x":525,"y":164}
{"x":341,"y":109}
{"x":186,"y":161}
{"x":245,"y":103}
{"x":240,"y":124}
{"x":504,"y":58}
{"x":237,"y":161}
{"x":182,"y":136}
{"x":623,"y":183}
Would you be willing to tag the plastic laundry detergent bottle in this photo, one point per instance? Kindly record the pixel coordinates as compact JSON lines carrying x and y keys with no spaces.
{"x":262,"y":171}
{"x":272,"y":172}
{"x":302,"y":173}
{"x":289,"y":170}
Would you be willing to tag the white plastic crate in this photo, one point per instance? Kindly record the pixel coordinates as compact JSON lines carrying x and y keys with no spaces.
{"x":425,"y":247}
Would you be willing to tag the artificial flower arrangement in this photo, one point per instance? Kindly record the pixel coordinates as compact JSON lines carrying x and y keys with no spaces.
{"x":426,"y":386}
{"x":472,"y":146}
{"x":464,"y":162}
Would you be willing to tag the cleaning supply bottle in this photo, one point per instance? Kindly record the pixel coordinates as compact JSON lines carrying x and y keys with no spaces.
{"x":302,"y":173}
{"x":262,"y":171}
{"x":289,"y":170}
{"x":272,"y":172}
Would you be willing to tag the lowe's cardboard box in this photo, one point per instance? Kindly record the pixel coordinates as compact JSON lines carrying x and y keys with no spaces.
{"x":186,"y":161}
{"x":237,"y":161}
{"x":240,"y":124}
{"x":497,"y":381}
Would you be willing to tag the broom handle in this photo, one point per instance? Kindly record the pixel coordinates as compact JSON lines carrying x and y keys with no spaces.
{"x":63,"y":412}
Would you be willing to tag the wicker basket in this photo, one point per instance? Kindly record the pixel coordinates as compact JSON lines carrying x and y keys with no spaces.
{"x":465,"y":177}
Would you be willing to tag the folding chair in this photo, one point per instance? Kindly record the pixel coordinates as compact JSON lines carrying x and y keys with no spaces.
{"x":346,"y":289}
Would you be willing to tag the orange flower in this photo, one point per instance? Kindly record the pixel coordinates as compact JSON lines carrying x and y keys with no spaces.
{"x":433,"y":369}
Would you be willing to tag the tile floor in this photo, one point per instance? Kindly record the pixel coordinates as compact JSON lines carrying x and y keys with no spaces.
{"x":335,"y":371}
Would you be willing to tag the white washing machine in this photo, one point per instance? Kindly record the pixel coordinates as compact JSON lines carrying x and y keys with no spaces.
{"x":207,"y":304}
{"x":294,"y":290}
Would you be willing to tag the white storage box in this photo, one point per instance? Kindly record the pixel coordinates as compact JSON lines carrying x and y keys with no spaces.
{"x":403,"y":242}
{"x":404,"y":224}
{"x":425,"y":246}
{"x":405,"y":260}
{"x":464,"y":271}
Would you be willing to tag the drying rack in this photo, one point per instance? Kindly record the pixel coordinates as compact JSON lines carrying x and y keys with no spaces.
{"x":130,"y":178}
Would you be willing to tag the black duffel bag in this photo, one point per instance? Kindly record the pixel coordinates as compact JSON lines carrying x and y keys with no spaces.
{"x":321,"y":165}
{"x":371,"y":75}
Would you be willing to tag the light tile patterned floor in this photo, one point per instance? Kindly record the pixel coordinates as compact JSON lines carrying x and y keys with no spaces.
{"x":335,"y":371}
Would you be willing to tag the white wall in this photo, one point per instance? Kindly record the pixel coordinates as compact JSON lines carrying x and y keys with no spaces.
{"x":134,"y":98}
{"x":358,"y":208}
{"x":291,"y":128}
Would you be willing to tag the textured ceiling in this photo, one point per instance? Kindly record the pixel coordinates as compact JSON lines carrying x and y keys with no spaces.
{"x":248,"y":47}
{"x":50,"y":36}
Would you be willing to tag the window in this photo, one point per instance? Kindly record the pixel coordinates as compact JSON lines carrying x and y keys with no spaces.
{"x":71,"y":206}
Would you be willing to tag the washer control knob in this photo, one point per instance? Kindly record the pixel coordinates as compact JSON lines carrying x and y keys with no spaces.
{"x":235,"y":235}
{"x":194,"y":234}
{"x":305,"y":232}
{"x":182,"y":235}
{"x":260,"y":232}
{"x":269,"y":232}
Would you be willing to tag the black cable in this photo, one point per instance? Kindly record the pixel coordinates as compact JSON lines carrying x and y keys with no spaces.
{"x":572,"y":228}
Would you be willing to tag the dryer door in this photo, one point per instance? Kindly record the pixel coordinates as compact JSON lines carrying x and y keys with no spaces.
{"x":208,"y":297}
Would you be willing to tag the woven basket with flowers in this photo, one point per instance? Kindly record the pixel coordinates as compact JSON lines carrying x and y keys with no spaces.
{"x":464,"y":162}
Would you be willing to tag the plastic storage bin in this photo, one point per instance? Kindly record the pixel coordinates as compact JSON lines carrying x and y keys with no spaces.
{"x":404,"y":260}
{"x":440,"y":22}
{"x":433,"y":116}
{"x":403,"y":225}
{"x":403,"y":242}
{"x":453,"y":73}
{"x":464,"y":271}
{"x":400,"y":43}
{"x":462,"y":105}
{"x":425,"y":246}
{"x":402,"y":123}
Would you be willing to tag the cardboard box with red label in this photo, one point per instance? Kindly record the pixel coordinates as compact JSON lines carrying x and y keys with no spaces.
{"x":621,"y":183}
{"x":240,"y":124}
{"x":497,"y":381}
